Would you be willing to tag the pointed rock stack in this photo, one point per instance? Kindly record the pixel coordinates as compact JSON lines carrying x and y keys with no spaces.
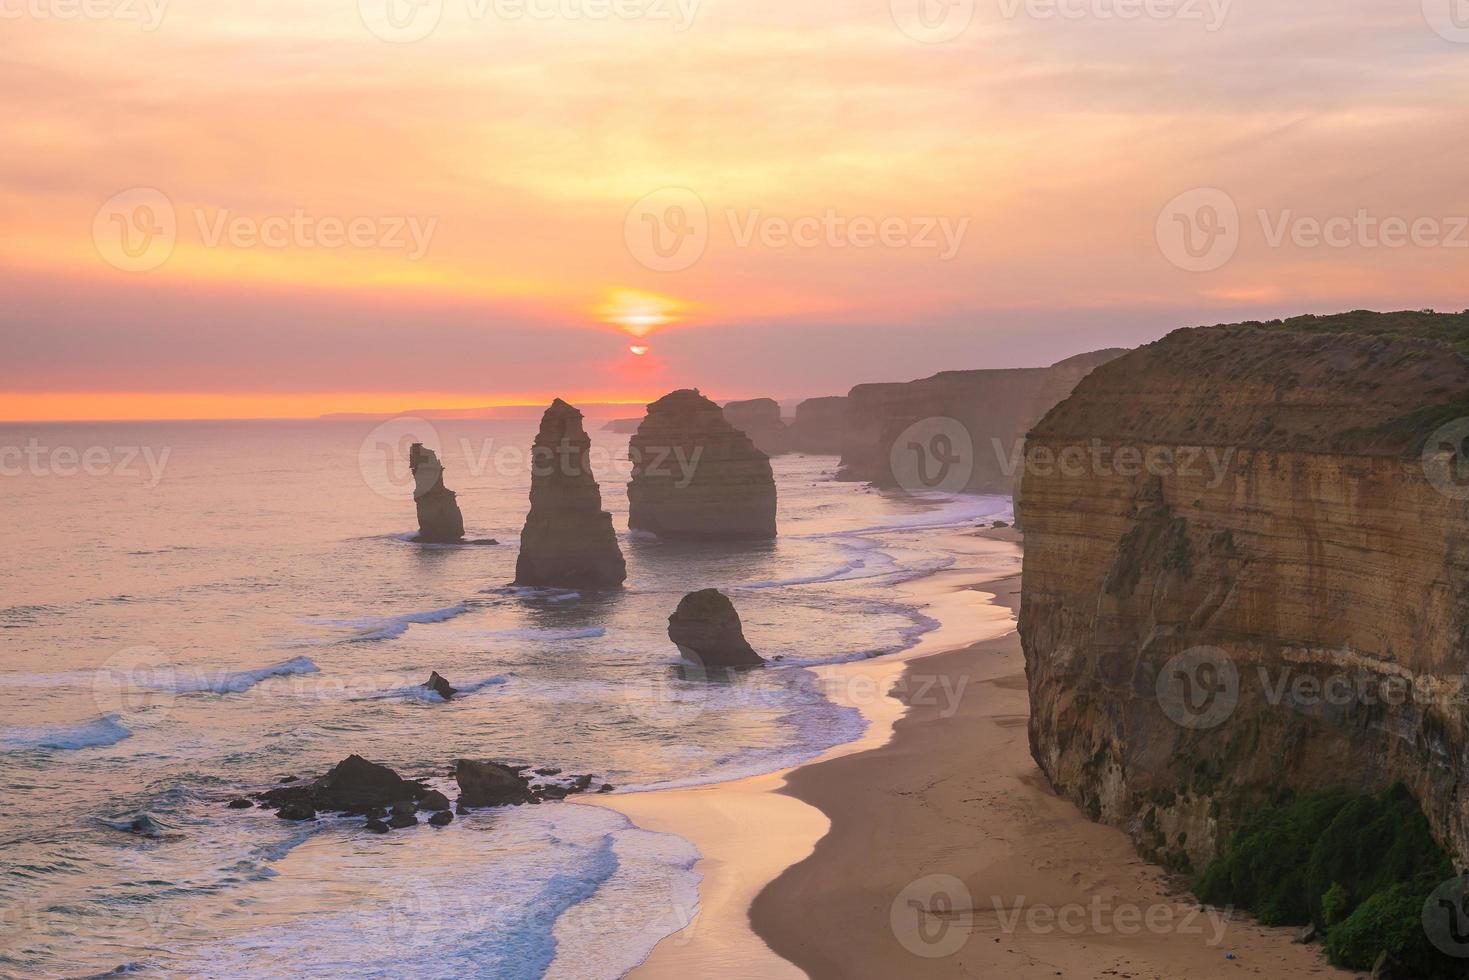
{"x":439,"y":520}
{"x":696,"y":476}
{"x":568,"y":539}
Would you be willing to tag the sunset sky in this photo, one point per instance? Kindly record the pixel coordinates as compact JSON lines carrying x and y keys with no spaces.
{"x":800,"y":162}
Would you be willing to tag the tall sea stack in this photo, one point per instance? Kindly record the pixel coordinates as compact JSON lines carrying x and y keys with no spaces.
{"x":1247,"y":574}
{"x":759,"y":418}
{"x":568,"y":539}
{"x":696,"y":476}
{"x":439,"y":520}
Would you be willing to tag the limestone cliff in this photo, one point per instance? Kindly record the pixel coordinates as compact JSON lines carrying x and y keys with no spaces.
{"x":1246,"y":568}
{"x":759,"y":418}
{"x":819,"y":425}
{"x":568,"y":539}
{"x":992,"y":410}
{"x":696,"y":476}
{"x":439,"y":519}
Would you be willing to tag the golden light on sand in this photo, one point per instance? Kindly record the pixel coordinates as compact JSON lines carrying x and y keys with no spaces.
{"x":638,"y":313}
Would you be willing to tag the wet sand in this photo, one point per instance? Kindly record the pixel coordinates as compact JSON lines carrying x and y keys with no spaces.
{"x":933,"y":846}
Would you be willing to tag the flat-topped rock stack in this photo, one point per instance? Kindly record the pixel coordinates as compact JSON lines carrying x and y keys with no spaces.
{"x":759,"y":418}
{"x":439,"y":519}
{"x":819,"y":425}
{"x":696,"y":476}
{"x":568,"y":539}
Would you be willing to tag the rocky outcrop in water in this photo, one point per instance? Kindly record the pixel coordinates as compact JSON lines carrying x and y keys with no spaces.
{"x":984,"y":417}
{"x":440,"y":686}
{"x":759,"y":418}
{"x":353,"y":785}
{"x":696,"y":476}
{"x":568,"y":539}
{"x":439,"y":520}
{"x":820,"y":425}
{"x":1247,"y":570}
{"x":706,"y":629}
{"x":623,"y":426}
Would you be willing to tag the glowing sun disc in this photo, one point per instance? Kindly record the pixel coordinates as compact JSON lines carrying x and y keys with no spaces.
{"x":639,"y":349}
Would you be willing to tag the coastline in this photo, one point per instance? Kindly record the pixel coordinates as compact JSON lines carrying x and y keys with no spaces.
{"x":809,"y":870}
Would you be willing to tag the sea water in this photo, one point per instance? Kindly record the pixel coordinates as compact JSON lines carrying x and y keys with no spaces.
{"x":243,"y":602}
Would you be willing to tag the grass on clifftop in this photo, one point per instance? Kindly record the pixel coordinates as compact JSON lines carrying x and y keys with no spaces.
{"x":1451,"y":329}
{"x":1359,"y":867}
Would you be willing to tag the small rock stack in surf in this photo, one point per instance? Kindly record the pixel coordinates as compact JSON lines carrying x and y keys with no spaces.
{"x":696,"y":476}
{"x":439,"y":519}
{"x":568,"y":539}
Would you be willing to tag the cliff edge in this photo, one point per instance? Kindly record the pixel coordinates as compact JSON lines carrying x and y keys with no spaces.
{"x":1247,"y":570}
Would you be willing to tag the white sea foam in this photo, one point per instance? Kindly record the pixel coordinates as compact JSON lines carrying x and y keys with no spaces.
{"x":419,"y":692}
{"x":371,"y":628}
{"x":189,"y":680}
{"x":106,"y":730}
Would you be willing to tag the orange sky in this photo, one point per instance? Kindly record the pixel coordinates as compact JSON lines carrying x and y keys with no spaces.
{"x":262,"y":208}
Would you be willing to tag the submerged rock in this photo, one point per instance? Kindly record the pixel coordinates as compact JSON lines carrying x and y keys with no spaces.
{"x":706,"y":628}
{"x":568,"y":538}
{"x":440,"y":686}
{"x":296,"y":811}
{"x":696,"y":476}
{"x":143,"y":825}
{"x":439,"y":519}
{"x":759,"y":418}
{"x":240,"y":804}
{"x":441,"y":819}
{"x":375,"y":826}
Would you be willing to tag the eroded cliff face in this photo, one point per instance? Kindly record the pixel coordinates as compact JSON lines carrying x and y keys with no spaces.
{"x":819,"y":425}
{"x":994,"y":408}
{"x":1243,"y":572}
{"x":759,"y":418}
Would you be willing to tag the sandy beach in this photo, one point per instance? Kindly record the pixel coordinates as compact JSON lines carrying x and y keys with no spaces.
{"x":933,"y":846}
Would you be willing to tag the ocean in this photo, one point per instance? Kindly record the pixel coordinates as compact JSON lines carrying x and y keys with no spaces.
{"x":193,"y":611}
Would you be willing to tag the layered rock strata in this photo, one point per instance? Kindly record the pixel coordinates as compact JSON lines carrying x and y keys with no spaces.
{"x":980,"y":418}
{"x":759,"y":418}
{"x":568,"y":539}
{"x":707,"y":631}
{"x":1247,"y":569}
{"x":696,"y":476}
{"x":439,"y":519}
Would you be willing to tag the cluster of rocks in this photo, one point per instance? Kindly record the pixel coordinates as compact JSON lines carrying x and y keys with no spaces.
{"x":357,"y":787}
{"x":696,"y":476}
{"x":568,"y":540}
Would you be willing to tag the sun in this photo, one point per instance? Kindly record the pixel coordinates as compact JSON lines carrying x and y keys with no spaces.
{"x":640,"y":349}
{"x":638,"y":313}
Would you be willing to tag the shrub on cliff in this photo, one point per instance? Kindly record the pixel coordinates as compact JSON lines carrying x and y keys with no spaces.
{"x":1358,"y":867}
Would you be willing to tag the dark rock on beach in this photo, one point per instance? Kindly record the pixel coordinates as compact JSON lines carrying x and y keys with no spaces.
{"x":706,"y":628}
{"x":296,"y":811}
{"x":434,"y":800}
{"x":439,"y":519}
{"x":441,"y":819}
{"x":375,"y":826}
{"x":440,"y":686}
{"x":240,"y":804}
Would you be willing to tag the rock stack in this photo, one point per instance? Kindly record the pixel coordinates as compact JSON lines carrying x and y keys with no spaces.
{"x":439,"y":520}
{"x":759,"y":418}
{"x":568,"y":538}
{"x":819,"y":424}
{"x":706,"y":628}
{"x":696,"y":476}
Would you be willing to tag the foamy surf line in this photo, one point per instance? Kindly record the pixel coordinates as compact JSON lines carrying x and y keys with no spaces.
{"x":373,"y":628}
{"x":99,"y":732}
